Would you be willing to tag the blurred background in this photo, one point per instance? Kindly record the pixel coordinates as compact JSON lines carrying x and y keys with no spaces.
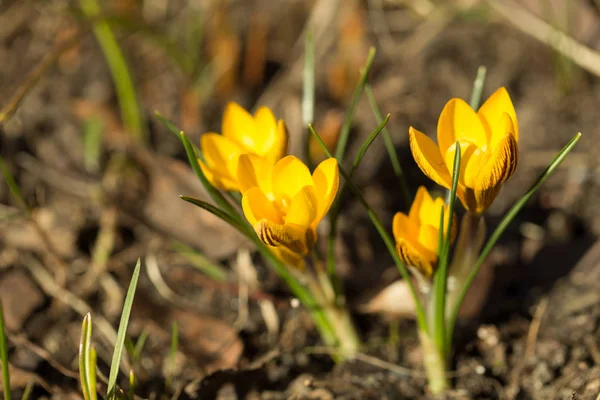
{"x":101,"y":175}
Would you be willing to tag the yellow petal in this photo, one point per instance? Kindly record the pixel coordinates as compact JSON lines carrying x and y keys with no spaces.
{"x":404,"y":227}
{"x":296,"y":238}
{"x":410,"y":251}
{"x":421,"y":206}
{"x":477,"y":201}
{"x":217,"y":179}
{"x":430,"y":215}
{"x":428,"y":157}
{"x":256,"y":207}
{"x":266,"y":133}
{"x":491,"y":114}
{"x":472,"y":164}
{"x":458,"y":122}
{"x":469,"y":152}
{"x":252,"y":171}
{"x":289,"y":176}
{"x":429,"y":236}
{"x":221,"y":154}
{"x":239,"y":126}
{"x":500,"y":166}
{"x":303,"y":208}
{"x":326,"y":179}
{"x":411,"y":256}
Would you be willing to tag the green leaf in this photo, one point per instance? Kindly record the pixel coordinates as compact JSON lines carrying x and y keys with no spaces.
{"x":87,"y":372}
{"x":365,"y":146}
{"x":131,"y":392}
{"x":510,"y":215}
{"x":121,"y":333}
{"x":389,"y":145}
{"x":340,"y":149}
{"x":136,"y":353}
{"x":216,"y":212}
{"x":27,"y":391}
{"x":440,"y":278}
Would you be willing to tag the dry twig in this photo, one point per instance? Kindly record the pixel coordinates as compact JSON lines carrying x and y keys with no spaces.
{"x":535,"y":27}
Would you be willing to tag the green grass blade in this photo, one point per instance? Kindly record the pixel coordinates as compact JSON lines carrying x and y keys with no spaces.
{"x":478,"y":88}
{"x":92,"y":143}
{"x":340,"y":149}
{"x":87,"y":376}
{"x":510,"y":215}
{"x":216,"y":212}
{"x":203,"y":264}
{"x":308,"y":91}
{"x":15,"y":191}
{"x":4,"y":356}
{"x":389,"y":145}
{"x":136,"y":353}
{"x":365,"y":146}
{"x":441,"y":275}
{"x":131,"y":392}
{"x":121,"y":333}
{"x":389,"y":243}
{"x":92,"y":371}
{"x":27,"y":391}
{"x":130,"y":110}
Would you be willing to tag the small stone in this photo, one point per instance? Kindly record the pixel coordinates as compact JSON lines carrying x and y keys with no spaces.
{"x":20,"y":297}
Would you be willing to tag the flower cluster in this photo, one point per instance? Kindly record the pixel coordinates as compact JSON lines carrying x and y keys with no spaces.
{"x":282,"y":200}
{"x":488,"y":142}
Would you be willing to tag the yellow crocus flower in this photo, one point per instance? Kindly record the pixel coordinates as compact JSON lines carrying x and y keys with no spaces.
{"x":261,"y":135}
{"x":417,"y":234}
{"x":488,"y":141}
{"x":285,"y":203}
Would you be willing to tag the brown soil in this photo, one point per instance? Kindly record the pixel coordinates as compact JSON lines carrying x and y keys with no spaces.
{"x":533,"y":328}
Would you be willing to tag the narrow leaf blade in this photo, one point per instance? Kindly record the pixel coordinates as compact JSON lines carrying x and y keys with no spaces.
{"x":340,"y":150}
{"x":122,"y":331}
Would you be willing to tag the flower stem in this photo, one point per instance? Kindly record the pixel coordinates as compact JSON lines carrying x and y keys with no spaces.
{"x":337,"y":314}
{"x":508,"y":217}
{"x":435,"y":365}
{"x":466,"y":252}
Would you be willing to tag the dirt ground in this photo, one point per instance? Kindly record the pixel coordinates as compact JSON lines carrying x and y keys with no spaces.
{"x":531,"y":326}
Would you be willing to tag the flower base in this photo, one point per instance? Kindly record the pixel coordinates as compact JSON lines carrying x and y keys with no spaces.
{"x":435,"y":366}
